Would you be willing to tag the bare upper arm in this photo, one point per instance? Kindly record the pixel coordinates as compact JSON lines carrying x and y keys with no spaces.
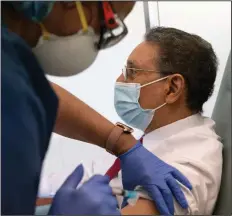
{"x":142,"y":207}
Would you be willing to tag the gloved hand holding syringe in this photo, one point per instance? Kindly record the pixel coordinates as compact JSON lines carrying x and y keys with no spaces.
{"x":130,"y":196}
{"x":127,"y":196}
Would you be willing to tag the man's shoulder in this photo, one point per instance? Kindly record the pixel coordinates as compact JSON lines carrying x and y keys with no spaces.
{"x":197,"y":153}
{"x":194,"y":143}
{"x":197,"y":148}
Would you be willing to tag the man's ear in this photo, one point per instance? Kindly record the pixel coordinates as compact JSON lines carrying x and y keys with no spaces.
{"x":174,"y":88}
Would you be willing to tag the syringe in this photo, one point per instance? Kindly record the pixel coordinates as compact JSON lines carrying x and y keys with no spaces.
{"x":131,"y":196}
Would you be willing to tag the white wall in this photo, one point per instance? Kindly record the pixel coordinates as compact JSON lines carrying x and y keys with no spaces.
{"x":211,"y":20}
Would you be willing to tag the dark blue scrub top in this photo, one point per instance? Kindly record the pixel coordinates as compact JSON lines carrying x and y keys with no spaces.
{"x":29,"y":108}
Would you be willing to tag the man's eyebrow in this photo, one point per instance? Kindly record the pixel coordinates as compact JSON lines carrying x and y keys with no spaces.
{"x":131,"y":64}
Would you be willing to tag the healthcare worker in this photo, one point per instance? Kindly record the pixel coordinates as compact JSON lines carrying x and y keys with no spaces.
{"x":32,"y":108}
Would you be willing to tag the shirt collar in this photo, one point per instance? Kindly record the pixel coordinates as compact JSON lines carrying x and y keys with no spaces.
{"x":174,"y":128}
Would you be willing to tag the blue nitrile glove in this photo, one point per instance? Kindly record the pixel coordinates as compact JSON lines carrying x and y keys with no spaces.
{"x":93,"y":197}
{"x":141,"y":167}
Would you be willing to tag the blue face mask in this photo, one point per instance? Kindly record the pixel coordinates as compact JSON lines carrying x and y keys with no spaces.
{"x":126,"y":102}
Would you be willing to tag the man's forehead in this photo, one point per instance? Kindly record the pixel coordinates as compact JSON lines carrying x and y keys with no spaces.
{"x":143,"y":56}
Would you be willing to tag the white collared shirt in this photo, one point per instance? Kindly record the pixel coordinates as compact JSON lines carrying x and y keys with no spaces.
{"x":192,"y":146}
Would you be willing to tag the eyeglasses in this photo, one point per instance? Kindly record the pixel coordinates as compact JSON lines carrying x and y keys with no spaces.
{"x":131,"y":72}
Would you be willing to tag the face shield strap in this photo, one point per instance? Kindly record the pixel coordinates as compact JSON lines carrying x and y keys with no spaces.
{"x":112,"y":28}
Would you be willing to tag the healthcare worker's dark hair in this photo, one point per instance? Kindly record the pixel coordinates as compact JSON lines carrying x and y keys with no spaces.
{"x":189,"y":55}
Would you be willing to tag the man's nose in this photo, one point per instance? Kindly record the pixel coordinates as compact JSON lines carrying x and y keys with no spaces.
{"x":121,"y":78}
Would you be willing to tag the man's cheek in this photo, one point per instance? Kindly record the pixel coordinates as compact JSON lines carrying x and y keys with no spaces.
{"x":150,"y":98}
{"x":145,"y":99}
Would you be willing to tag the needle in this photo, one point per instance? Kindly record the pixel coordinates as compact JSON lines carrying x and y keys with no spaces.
{"x":125,"y":193}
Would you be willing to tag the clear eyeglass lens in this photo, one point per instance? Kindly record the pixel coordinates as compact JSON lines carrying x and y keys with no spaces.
{"x":124,"y":72}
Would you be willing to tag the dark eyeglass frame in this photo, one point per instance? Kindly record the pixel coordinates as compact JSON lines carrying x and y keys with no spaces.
{"x":110,"y":36}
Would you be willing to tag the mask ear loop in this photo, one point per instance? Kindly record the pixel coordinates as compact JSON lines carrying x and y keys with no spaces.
{"x":45,"y":33}
{"x":159,"y":107}
{"x":154,"y":81}
{"x":81,"y":13}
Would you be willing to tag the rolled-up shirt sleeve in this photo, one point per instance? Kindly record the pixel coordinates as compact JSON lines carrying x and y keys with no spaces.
{"x":198,"y":198}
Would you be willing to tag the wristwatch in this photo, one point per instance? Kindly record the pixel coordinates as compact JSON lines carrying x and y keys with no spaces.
{"x":117,"y":131}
